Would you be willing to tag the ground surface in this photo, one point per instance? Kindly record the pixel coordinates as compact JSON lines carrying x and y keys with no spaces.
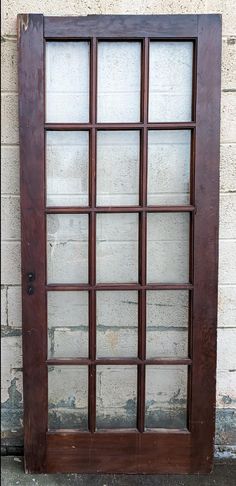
{"x":224,"y":474}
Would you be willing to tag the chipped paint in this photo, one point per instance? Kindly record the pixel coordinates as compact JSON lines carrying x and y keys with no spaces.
{"x":15,"y":397}
{"x":24,"y":22}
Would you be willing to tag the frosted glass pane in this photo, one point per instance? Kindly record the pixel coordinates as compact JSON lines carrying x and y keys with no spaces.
{"x":117,"y":248}
{"x":117,"y":168}
{"x":67,"y":324}
{"x":67,"y":168}
{"x":167,"y":324}
{"x":168,"y":247}
{"x":169,"y":167}
{"x":170,"y":81}
{"x":116,"y":396}
{"x":67,"y":248}
{"x":117,"y":324}
{"x":67,"y":81}
{"x":166,"y":397}
{"x":119,"y":81}
{"x":68,"y":397}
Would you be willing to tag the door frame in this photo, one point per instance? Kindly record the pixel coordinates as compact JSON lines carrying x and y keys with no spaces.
{"x":162,"y":451}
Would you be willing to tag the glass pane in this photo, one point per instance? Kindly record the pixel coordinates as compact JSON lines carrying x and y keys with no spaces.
{"x":167,"y":324}
{"x":119,"y":81}
{"x":67,"y":168}
{"x":67,"y":248}
{"x":168,"y":167}
{"x":168,"y":247}
{"x":67,"y":81}
{"x":166,"y":397}
{"x":117,"y":168}
{"x":68,"y":397}
{"x":117,"y":247}
{"x":67,"y":324}
{"x":116,"y":397}
{"x":117,"y":324}
{"x":170,"y":81}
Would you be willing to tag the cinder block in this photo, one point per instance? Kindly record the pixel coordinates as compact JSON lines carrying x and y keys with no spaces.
{"x":9,"y":119}
{"x":11,"y":263}
{"x":167,"y":248}
{"x":225,"y":432}
{"x":4,"y":306}
{"x":10,"y":170}
{"x":11,"y":360}
{"x":68,"y":342}
{"x":117,"y":342}
{"x":116,"y":396}
{"x":228,"y":117}
{"x":67,"y":157}
{"x":85,"y":7}
{"x":117,"y":247}
{"x":65,"y":63}
{"x":64,"y":256}
{"x":67,"y":309}
{"x":12,"y":409}
{"x":226,"y":8}
{"x":228,"y":168}
{"x":166,"y":396}
{"x":117,"y":309}
{"x":228,"y":216}
{"x":227,"y":306}
{"x":48,"y":7}
{"x":10,"y":223}
{"x":14,"y":306}
{"x":229,"y":63}
{"x":9,"y":64}
{"x":167,"y":309}
{"x":117,"y":168}
{"x":11,"y":387}
{"x":226,"y":358}
{"x":227,"y":262}
{"x":226,"y":389}
{"x":68,"y":384}
{"x":68,"y":397}
{"x":167,"y":342}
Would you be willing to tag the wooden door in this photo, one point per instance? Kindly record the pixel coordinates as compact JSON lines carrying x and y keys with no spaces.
{"x":119,"y":149}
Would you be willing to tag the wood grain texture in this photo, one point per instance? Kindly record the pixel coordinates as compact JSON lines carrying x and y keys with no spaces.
{"x":121,"y":26}
{"x":205,"y":240}
{"x":31,"y":115}
{"x":123,"y":451}
{"x":116,"y":452}
{"x":119,"y":209}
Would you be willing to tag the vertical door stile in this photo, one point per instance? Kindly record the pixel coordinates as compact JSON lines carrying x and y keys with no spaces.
{"x":31,"y":114}
{"x":204,"y":325}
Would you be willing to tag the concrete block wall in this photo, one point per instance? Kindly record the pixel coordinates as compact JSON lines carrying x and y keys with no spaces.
{"x":65,"y":402}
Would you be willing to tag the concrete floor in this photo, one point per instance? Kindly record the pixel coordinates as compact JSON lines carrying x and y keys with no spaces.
{"x":224,"y":474}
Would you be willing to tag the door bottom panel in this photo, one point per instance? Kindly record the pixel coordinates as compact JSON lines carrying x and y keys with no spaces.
{"x":121,"y":452}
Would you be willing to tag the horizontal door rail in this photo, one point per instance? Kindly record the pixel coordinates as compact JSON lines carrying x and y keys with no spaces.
{"x":121,"y":286}
{"x":118,"y":361}
{"x":75,"y":432}
{"x":184,"y":27}
{"x":119,"y":209}
{"x":121,"y":126}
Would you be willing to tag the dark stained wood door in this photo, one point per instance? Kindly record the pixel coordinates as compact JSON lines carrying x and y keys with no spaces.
{"x":119,"y":149}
